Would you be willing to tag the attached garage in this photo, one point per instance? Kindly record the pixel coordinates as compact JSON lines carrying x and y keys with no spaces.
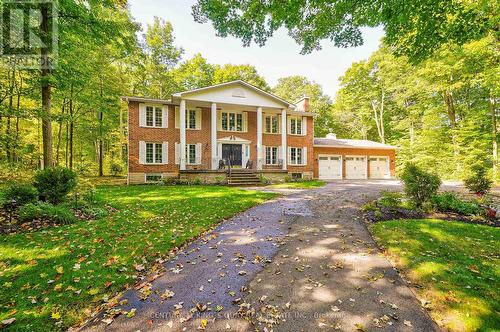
{"x":330,"y":167}
{"x":352,"y":159}
{"x":355,"y":167}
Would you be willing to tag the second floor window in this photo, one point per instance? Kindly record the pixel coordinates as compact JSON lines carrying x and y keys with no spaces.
{"x":153,"y":116}
{"x":271,"y":124}
{"x":232,"y":121}
{"x":154,"y":153}
{"x":296,"y":126}
{"x":191,"y":119}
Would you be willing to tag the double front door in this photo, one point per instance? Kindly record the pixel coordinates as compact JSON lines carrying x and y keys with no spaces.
{"x":231,"y":153}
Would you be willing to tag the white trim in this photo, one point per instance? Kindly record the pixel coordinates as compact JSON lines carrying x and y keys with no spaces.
{"x":248,"y":85}
{"x":260,"y":162}
{"x":301,"y":118}
{"x":355,"y":147}
{"x":340,"y":166}
{"x":284,"y":149}
{"x":387,"y":174}
{"x":213,"y":135}
{"x":182,"y":136}
{"x":146,"y":100}
{"x":155,"y":173}
{"x":304,"y":156}
{"x":357,"y":156}
{"x":244,"y":119}
{"x":143,"y":115}
{"x":233,"y":140}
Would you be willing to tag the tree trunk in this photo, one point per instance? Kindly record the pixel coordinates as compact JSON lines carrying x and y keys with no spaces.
{"x":59,"y":132}
{"x":100,"y":151}
{"x":494,"y":142}
{"x":379,"y":118}
{"x":7,"y":138}
{"x":71,"y":128}
{"x":452,"y":116}
{"x":46,"y":94}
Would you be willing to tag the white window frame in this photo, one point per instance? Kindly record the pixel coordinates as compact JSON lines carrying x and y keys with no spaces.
{"x":236,"y":114}
{"x":155,"y":108}
{"x":188,"y":160}
{"x":294,"y":161}
{"x":154,"y":162}
{"x":296,"y":127}
{"x":274,"y":152}
{"x":271,"y":117}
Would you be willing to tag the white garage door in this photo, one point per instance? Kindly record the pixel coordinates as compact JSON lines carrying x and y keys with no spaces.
{"x":379,"y":168}
{"x":355,"y":167}
{"x":330,"y":167}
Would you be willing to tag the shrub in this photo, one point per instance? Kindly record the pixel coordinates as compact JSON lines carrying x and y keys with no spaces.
{"x":116,"y":168}
{"x":389,"y":199}
{"x":54,"y":183}
{"x":21,"y":193}
{"x":419,"y":185}
{"x":449,"y":202}
{"x":479,"y":182}
{"x":58,"y":214}
{"x":95,"y":212}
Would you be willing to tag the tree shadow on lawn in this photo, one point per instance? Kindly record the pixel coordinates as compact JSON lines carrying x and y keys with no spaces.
{"x":453,"y":265}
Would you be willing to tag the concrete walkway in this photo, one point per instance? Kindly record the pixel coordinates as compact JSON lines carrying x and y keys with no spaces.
{"x":304,"y":262}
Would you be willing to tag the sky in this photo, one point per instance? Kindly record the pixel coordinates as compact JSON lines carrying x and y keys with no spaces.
{"x":280,"y":56}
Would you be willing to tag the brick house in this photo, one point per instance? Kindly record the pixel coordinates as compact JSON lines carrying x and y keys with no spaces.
{"x":204,"y":132}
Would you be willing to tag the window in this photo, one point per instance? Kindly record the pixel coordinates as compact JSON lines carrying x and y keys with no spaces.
{"x":271,"y":124}
{"x":191,"y":119}
{"x":153,"y":177}
{"x":154,"y":116}
{"x":154,"y":153}
{"x":296,"y":126}
{"x":271,"y":155}
{"x":190,"y":153}
{"x":296,"y":176}
{"x":296,"y":156}
{"x":232,"y":121}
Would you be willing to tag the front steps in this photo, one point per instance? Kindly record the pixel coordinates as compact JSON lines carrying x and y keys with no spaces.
{"x":243,"y":177}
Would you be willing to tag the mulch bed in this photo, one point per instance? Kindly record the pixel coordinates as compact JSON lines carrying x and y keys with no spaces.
{"x":392,"y":213}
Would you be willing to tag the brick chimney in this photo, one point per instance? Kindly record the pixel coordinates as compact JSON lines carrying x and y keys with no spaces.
{"x":303,"y":104}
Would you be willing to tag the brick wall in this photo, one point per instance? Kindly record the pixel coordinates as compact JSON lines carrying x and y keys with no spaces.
{"x":354,"y":152}
{"x":171,"y":135}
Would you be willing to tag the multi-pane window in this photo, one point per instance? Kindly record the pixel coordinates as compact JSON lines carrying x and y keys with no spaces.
{"x":271,"y":124}
{"x":191,"y":119}
{"x":232,"y":121}
{"x":296,"y":156}
{"x":154,"y":153}
{"x":296,"y":125}
{"x":191,"y":153}
{"x":153,"y":177}
{"x":271,"y":155}
{"x":154,"y":116}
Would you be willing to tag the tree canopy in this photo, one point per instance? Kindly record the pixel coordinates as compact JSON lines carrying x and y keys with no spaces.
{"x":415,"y":28}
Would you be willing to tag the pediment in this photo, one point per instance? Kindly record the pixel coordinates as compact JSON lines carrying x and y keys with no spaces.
{"x":233,"y":139}
{"x":236,"y":93}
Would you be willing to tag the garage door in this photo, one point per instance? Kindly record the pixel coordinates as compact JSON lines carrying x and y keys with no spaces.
{"x":330,"y":167}
{"x":379,"y":168}
{"x":355,"y":167}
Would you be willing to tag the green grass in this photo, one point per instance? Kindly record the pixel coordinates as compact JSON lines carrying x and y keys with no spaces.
{"x":299,"y":185}
{"x":42,"y":267}
{"x":456,"y":264}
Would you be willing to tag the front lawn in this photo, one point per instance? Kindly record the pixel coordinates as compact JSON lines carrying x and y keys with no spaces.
{"x":454,"y":266}
{"x":299,"y":185}
{"x":54,"y":278}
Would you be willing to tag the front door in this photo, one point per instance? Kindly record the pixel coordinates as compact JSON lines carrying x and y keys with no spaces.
{"x":232,"y":153}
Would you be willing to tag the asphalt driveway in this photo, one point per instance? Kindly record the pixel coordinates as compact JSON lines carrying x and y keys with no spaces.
{"x":304,"y":262}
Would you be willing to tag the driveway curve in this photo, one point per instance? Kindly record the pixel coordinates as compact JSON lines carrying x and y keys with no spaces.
{"x":303,"y":262}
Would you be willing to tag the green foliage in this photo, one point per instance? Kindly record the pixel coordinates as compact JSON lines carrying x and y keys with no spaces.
{"x":264,"y":179}
{"x":419,"y":185}
{"x":247,"y":73}
{"x":416,"y":30}
{"x":389,"y":199}
{"x":41,"y":210}
{"x":95,"y":212}
{"x":21,"y":193}
{"x":449,"y":202}
{"x":54,"y":183}
{"x":116,"y":168}
{"x":479,"y":182}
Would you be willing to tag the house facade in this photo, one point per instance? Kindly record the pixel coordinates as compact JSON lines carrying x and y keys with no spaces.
{"x":204,"y":132}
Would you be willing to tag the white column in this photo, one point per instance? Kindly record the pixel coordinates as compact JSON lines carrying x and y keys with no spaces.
{"x":182,"y":125}
{"x":284,"y":149}
{"x":213,"y":128}
{"x":259,"y":138}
